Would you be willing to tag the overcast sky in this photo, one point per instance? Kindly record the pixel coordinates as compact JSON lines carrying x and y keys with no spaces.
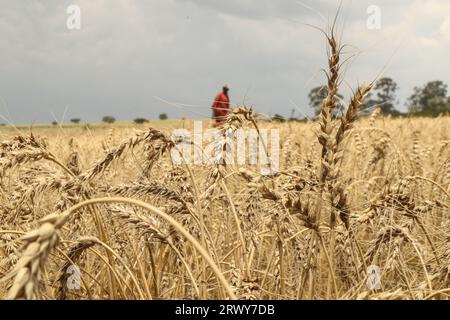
{"x":130,"y":56}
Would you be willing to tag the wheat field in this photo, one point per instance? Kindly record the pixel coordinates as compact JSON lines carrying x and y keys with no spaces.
{"x":139,"y":227}
{"x":358,"y":210}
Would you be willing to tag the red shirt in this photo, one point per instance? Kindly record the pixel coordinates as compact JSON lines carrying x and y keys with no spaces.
{"x":221,"y":105}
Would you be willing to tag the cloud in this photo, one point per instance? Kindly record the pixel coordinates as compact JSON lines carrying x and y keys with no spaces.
{"x":249,"y":9}
{"x":445,"y":29}
{"x":128,"y":51}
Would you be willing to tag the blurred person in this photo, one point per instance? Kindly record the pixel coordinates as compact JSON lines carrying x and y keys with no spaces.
{"x":221,"y":106}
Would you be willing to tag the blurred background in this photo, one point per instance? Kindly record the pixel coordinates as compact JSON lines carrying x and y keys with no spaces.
{"x":134,"y":58}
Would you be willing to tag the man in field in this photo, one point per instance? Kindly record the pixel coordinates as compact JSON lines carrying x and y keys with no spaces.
{"x":221,"y":106}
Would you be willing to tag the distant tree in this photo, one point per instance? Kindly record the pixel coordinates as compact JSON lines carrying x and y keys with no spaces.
{"x":163,"y":116}
{"x":54,"y":123}
{"x":292,"y":116}
{"x":140,"y":120}
{"x":384,"y":95}
{"x":415,"y":101}
{"x":109,"y":119}
{"x":430,"y":100}
{"x":75,"y":120}
{"x":278,"y":117}
{"x":316,"y":97}
{"x":438,"y":105}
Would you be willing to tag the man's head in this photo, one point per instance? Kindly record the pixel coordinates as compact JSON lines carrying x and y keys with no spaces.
{"x":225,"y":88}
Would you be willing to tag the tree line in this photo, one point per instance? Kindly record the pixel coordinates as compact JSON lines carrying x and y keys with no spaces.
{"x":111,"y":119}
{"x":429,"y":100}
